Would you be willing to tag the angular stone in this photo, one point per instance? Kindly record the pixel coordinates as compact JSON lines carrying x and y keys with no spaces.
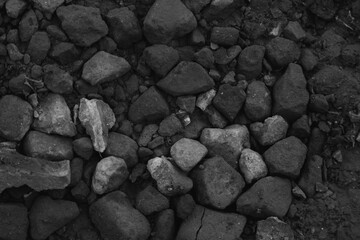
{"x":286,"y":157}
{"x":47,"y":6}
{"x":13,"y":221}
{"x":150,"y":200}
{"x":161,"y":58}
{"x":196,"y":5}
{"x":122,"y":146}
{"x":185,"y":79}
{"x":149,"y":107}
{"x":54,"y":116}
{"x":300,"y":128}
{"x":216,"y":183}
{"x":147,"y":134}
{"x":83,"y":147}
{"x":98,"y":118}
{"x":294,"y":31}
{"x":273,"y":228}
{"x":64,"y":53}
{"x":292,"y":83}
{"x":205,"y":99}
{"x":83,"y":25}
{"x":257,"y":105}
{"x":109,"y":174}
{"x":187,"y":153}
{"x":252,"y":165}
{"x":269,"y":196}
{"x":169,"y":179}
{"x":15,"y":8}
{"x":57,"y":80}
{"x":51,"y":147}
{"x":226,"y":36}
{"x":225,"y":56}
{"x":39,"y":47}
{"x":184,"y":205}
{"x":170,"y":126}
{"x":227,"y":143}
{"x":17,"y":170}
{"x":115,"y":218}
{"x":280,"y":52}
{"x":205,"y":57}
{"x":250,"y":61}
{"x":28,"y":26}
{"x":104,"y":67}
{"x":167,"y":20}
{"x":272,"y":130}
{"x":311,"y":174}
{"x":16,"y":116}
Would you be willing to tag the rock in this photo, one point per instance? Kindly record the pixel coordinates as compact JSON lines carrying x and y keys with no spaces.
{"x":47,"y":6}
{"x":184,"y":206}
{"x":51,"y":147}
{"x":307,"y":59}
{"x":104,"y":67}
{"x":185,"y":79}
{"x":206,"y":224}
{"x":229,"y":100}
{"x":311,"y":174}
{"x":221,"y":9}
{"x":294,"y":31}
{"x":286,"y":157}
{"x":16,"y":117}
{"x":170,"y":126}
{"x":272,"y":130}
{"x":151,"y":106}
{"x":216,"y":183}
{"x":280,"y":52}
{"x":77,"y":167}
{"x":252,"y":165}
{"x":167,"y":20}
{"x":17,"y":85}
{"x":146,"y":134}
{"x":38,"y":47}
{"x":325,"y":10}
{"x":226,"y":36}
{"x":83,"y":147}
{"x":350,"y":55}
{"x":292,"y":83}
{"x":198,"y":122}
{"x":273,"y":228}
{"x":205,"y":57}
{"x":28,"y":26}
{"x":55,"y":32}
{"x":127,"y":151}
{"x":196,"y":5}
{"x":300,"y":128}
{"x":227,"y":143}
{"x":13,"y":52}
{"x":109,"y":174}
{"x":225,"y":56}
{"x":14,"y":221}
{"x":150,"y":200}
{"x":186,"y":103}
{"x":250,"y":61}
{"x":54,"y":116}
{"x":215,"y":118}
{"x":318,"y":103}
{"x":165,"y":226}
{"x":14,"y":8}
{"x":115,"y":218}
{"x":48,"y":215}
{"x":161,"y":58}
{"x":97,"y":118}
{"x":124,"y":27}
{"x":169,"y":179}
{"x":269,"y":196}
{"x":205,"y":99}
{"x":57,"y":80}
{"x":187,"y":153}
{"x":83,"y":25}
{"x":64,"y":53}
{"x":257,"y":105}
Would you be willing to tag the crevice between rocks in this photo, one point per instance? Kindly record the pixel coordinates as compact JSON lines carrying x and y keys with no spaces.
{"x":201,"y":224}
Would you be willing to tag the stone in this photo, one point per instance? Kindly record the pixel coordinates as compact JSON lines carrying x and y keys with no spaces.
{"x":51,"y":147}
{"x":14,"y":8}
{"x":216,"y":119}
{"x":150,"y":107}
{"x":318,"y":103}
{"x":184,"y":205}
{"x":17,"y":85}
{"x":169,"y":179}
{"x":292,"y":83}
{"x":161,"y":58}
{"x":39,"y":47}
{"x":109,"y":174}
{"x":149,"y":201}
{"x":167,"y":20}
{"x":308,"y":60}
{"x":280,"y":52}
{"x":147,"y":134}
{"x":57,"y":80}
{"x":56,"y":32}
{"x":229,"y":100}
{"x":196,"y":5}
{"x":225,"y":56}
{"x":325,"y":10}
{"x":187,"y":153}
{"x":13,"y":52}
{"x":14,"y":221}
{"x":48,"y":215}
{"x":272,"y":130}
{"x":205,"y":57}
{"x":269,"y":196}
{"x":97,"y":118}
{"x":64,"y":53}
{"x":294,"y":31}
{"x":83,"y":147}
{"x":227,"y":143}
{"x":220,"y":9}
{"x":333,"y":44}
{"x":225,"y":36}
{"x":300,"y":128}
{"x":127,"y":150}
{"x":47,"y":7}
{"x":311,"y":174}
{"x":206,"y":224}
{"x":16,"y":117}
{"x":83,"y":25}
{"x":198,"y":122}
{"x":77,"y":167}
{"x":257,"y":106}
{"x":28,"y":25}
{"x":186,"y":103}
{"x":250,"y":61}
{"x":286,"y":157}
{"x":185,"y":79}
{"x":54,"y":116}
{"x":165,"y":226}
{"x":252,"y":166}
{"x":124,"y":27}
{"x":115,"y":218}
{"x":350,"y":55}
{"x":205,"y":99}
{"x":216,"y":183}
{"x":104,"y":67}
{"x":170,"y":126}
{"x":273,"y":228}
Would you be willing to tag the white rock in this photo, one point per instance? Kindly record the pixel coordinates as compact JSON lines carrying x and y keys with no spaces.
{"x":252,"y":165}
{"x":205,"y":99}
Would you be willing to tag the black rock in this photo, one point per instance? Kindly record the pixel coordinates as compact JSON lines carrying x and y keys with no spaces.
{"x":150,"y":200}
{"x":64,"y":53}
{"x":226,"y":36}
{"x":161,"y":58}
{"x":165,"y":227}
{"x":280,"y":52}
{"x":251,"y":60}
{"x":13,"y":221}
{"x":257,"y":105}
{"x":38,"y":47}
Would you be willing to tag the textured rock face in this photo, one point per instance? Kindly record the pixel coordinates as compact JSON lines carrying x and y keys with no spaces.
{"x":252,"y":165}
{"x":272,"y":130}
{"x":47,"y":6}
{"x":97,"y":118}
{"x":273,"y":228}
{"x":13,"y":221}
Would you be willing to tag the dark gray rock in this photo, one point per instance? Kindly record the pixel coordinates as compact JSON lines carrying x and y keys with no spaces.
{"x":17,"y":85}
{"x":56,"y":32}
{"x":258,"y":101}
{"x":221,"y":9}
{"x":64,"y":53}
{"x":150,"y":200}
{"x":165,"y":226}
{"x":272,"y":130}
{"x":226,"y":36}
{"x":300,"y":128}
{"x":184,"y":205}
{"x":39,"y":47}
{"x":205,"y":57}
{"x":250,"y":61}
{"x":280,"y":52}
{"x":83,"y":147}
{"x":224,"y":56}
{"x":196,"y":5}
{"x":76,"y":166}
{"x":14,"y":8}
{"x":252,"y":165}
{"x":28,"y":26}
{"x":14,"y":221}
{"x":308,"y":60}
{"x":170,"y":126}
{"x":273,"y":228}
{"x":47,"y":7}
{"x":57,"y":80}
{"x":294,"y":31}
{"x":161,"y":58}
{"x":311,"y":174}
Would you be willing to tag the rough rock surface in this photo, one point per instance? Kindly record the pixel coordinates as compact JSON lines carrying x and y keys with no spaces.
{"x":272,"y":130}
{"x":150,"y":200}
{"x":161,"y":58}
{"x":250,"y":61}
{"x":47,"y":6}
{"x":281,"y":52}
{"x":273,"y":228}
{"x":14,"y":221}
{"x":252,"y":165}
{"x":258,"y":101}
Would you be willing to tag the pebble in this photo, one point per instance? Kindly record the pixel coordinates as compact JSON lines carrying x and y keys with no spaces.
{"x":225,"y":36}
{"x":170,"y":126}
{"x":252,"y":165}
{"x":57,"y":80}
{"x":272,"y":130}
{"x":28,"y":25}
{"x":205,"y":99}
{"x":149,"y":201}
{"x":294,"y":31}
{"x":83,"y":147}
{"x":186,"y":103}
{"x":205,"y":57}
{"x":250,"y":61}
{"x":215,"y":118}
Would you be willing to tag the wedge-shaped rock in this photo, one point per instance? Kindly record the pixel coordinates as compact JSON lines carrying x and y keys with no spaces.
{"x":97,"y":118}
{"x":39,"y":174}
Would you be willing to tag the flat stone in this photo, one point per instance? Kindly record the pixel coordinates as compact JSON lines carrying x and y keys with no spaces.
{"x":169,"y":179}
{"x":161,"y":58}
{"x":47,"y":6}
{"x":280,"y":52}
{"x":227,"y":143}
{"x":39,"y":47}
{"x":14,"y":221}
{"x":251,"y":60}
{"x":252,"y":165}
{"x":185,"y":79}
{"x":83,"y":25}
{"x":14,"y":8}
{"x":273,"y":228}
{"x":109,"y":174}
{"x":216,"y":183}
{"x":104,"y":67}
{"x":98,"y":118}
{"x":272,"y":130}
{"x":187,"y":153}
{"x":150,"y":200}
{"x":28,"y":25}
{"x":269,"y":196}
{"x":16,"y":117}
{"x":258,"y":101}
